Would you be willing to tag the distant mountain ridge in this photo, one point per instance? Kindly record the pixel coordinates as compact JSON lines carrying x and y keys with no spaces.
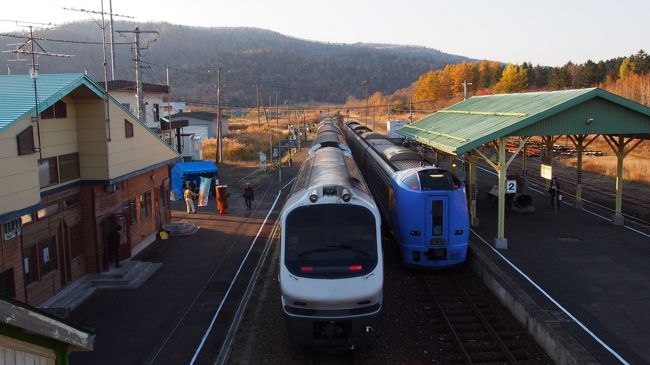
{"x":300,"y":70}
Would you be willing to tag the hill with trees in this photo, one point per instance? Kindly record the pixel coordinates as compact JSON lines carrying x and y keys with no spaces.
{"x":435,"y":89}
{"x":299,"y":70}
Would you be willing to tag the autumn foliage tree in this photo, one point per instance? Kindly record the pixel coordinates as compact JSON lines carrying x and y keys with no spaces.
{"x":513,"y":80}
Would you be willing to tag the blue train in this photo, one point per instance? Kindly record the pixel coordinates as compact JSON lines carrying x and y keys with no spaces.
{"x":424,"y":206}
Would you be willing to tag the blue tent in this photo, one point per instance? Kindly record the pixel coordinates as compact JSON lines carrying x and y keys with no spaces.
{"x":185,"y":171}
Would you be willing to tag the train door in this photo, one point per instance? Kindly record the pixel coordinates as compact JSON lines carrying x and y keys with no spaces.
{"x":438,"y":227}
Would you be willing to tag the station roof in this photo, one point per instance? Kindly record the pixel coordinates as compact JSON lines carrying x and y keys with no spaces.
{"x":17,"y":93}
{"x":481,"y":119}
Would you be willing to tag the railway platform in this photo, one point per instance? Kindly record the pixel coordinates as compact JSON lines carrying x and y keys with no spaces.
{"x":597,"y":271}
{"x":165,"y":319}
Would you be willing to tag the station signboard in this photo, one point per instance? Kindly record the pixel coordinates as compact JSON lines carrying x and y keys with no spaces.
{"x":546,"y":172}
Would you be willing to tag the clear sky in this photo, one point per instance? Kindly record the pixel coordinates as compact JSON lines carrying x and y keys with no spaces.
{"x":547,"y":32}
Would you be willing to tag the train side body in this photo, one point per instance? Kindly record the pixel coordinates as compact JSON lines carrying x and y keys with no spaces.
{"x":430,"y":224}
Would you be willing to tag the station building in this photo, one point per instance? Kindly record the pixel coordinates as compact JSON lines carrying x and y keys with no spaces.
{"x":68,"y":177}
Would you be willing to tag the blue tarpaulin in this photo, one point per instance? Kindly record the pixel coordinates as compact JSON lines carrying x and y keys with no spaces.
{"x":186,"y":171}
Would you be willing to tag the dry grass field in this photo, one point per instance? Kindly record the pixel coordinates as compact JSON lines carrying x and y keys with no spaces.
{"x":246,"y":138}
{"x":636,"y":166}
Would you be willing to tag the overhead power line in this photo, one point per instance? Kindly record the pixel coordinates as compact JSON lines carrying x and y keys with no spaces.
{"x":58,"y":40}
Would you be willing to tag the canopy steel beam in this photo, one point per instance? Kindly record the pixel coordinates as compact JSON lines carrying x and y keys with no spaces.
{"x":580,"y":145}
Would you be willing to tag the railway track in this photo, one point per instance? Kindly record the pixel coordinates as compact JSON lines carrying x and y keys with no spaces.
{"x":316,"y":357}
{"x":201,"y":299}
{"x":480,"y":334}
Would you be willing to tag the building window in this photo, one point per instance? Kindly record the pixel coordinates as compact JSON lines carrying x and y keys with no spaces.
{"x":128,"y":128}
{"x":57,"y":111}
{"x":156,"y":113}
{"x":69,"y":167}
{"x":47,"y":256}
{"x":7,"y":286}
{"x":145,"y":205}
{"x":25,"y":141}
{"x":26,"y":219}
{"x":76,"y":244}
{"x":48,"y":172}
{"x":11,"y":229}
{"x":48,"y":210}
{"x":132,"y":212}
{"x":29,"y":265}
{"x":71,"y":201}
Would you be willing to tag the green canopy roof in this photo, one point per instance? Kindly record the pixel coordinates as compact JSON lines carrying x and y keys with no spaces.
{"x":17,"y":93}
{"x":481,"y":119}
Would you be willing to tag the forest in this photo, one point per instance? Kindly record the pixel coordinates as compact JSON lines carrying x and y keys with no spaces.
{"x":627,"y":76}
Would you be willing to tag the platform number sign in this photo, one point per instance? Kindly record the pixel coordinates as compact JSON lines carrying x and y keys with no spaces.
{"x":511,"y":186}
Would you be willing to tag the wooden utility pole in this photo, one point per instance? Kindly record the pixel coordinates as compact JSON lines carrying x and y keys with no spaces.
{"x":219,"y":132}
{"x":257,"y":96}
{"x":141,"y":112}
{"x":169,"y":106}
{"x":277,"y":111}
{"x":466,"y":89}
{"x":365,"y":83}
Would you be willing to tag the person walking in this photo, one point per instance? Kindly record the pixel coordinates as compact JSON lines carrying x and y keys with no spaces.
{"x":554,"y":190}
{"x":249,"y":195}
{"x":189,"y":196}
{"x":113,"y":239}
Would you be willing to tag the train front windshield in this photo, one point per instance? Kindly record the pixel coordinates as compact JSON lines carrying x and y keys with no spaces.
{"x":330,"y":241}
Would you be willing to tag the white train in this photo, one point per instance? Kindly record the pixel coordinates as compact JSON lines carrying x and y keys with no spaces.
{"x":331,"y":264}
{"x":329,"y":134}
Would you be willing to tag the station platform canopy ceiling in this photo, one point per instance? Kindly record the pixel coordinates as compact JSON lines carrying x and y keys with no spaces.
{"x":471,"y":123}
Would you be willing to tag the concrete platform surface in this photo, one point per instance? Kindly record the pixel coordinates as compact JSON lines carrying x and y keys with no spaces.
{"x":599,"y":272}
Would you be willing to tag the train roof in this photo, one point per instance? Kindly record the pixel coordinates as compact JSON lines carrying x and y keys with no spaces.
{"x":328,"y":126}
{"x":329,"y":166}
{"x":372,"y":135}
{"x":329,"y":138}
{"x":360,"y":129}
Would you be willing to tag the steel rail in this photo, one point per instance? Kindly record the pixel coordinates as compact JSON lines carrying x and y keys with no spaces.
{"x":486,"y":324}
{"x":463,"y":351}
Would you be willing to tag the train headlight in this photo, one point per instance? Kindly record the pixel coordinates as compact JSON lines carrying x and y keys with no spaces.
{"x":345,"y":195}
{"x":313,"y":197}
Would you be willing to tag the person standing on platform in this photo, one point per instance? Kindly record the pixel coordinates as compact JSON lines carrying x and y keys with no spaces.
{"x":113,"y":239}
{"x":554,"y":190}
{"x":249,"y":195}
{"x":189,"y":196}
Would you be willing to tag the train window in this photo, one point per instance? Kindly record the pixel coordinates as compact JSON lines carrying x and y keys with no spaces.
{"x":437,"y":218}
{"x":434,"y":179}
{"x":330,"y":241}
{"x":411,"y":180}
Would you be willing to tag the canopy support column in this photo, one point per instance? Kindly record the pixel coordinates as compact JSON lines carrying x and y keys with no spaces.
{"x":618,"y":145}
{"x":580,"y":145}
{"x":501,"y":241}
{"x":473,"y":189}
{"x":524,"y":167}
